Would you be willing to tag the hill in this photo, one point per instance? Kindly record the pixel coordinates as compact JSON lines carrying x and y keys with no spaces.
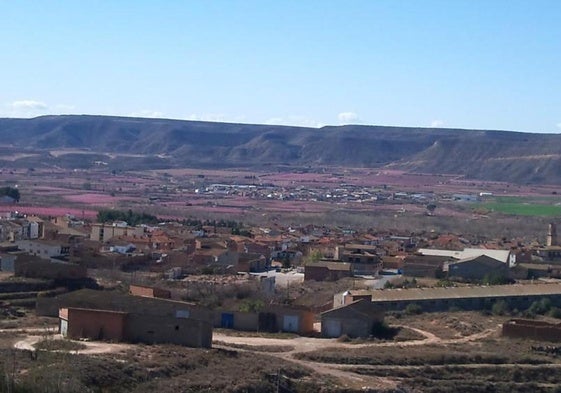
{"x":137,"y":143}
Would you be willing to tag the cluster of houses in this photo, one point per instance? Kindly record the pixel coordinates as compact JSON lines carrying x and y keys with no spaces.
{"x":64,"y":247}
{"x":341,"y":193}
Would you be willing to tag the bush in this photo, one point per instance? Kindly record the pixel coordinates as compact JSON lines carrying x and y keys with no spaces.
{"x":555,"y":312}
{"x":383,"y":331}
{"x":207,"y":270}
{"x":541,"y":306}
{"x":500,"y":308}
{"x":413,"y":308}
{"x":495,"y":279}
{"x":251,"y":305}
{"x":344,"y":339}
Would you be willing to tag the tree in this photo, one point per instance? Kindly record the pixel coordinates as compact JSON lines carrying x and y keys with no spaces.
{"x":129,"y":216}
{"x":431,"y":207}
{"x":313,"y":257}
{"x":12,"y":192}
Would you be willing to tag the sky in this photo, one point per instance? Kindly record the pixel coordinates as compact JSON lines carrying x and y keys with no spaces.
{"x":481,"y":64}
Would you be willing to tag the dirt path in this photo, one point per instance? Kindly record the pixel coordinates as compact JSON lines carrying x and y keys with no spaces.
{"x":307,"y":344}
{"x":342,"y":372}
{"x":92,"y":348}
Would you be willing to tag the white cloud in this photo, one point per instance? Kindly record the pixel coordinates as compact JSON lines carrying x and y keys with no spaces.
{"x":348,"y":118}
{"x":28,"y":105}
{"x":147,"y":113}
{"x":558,"y":125}
{"x":296,"y":121}
{"x":436,"y":123}
{"x":215,"y":117}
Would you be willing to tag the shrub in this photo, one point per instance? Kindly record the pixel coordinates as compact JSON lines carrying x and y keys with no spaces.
{"x":541,"y":306}
{"x":413,"y":308}
{"x":500,"y":308}
{"x":383,"y":331}
{"x":251,"y":305}
{"x":344,"y":339}
{"x":555,"y":312}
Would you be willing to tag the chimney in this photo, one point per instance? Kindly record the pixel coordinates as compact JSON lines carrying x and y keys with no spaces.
{"x":552,"y":235}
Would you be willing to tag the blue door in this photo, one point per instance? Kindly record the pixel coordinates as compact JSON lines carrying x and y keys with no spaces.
{"x":227,"y":321}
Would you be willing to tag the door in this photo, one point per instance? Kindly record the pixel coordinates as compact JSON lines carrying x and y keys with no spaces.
{"x":63,"y":327}
{"x":268,"y":322}
{"x":227,"y":320}
{"x":331,"y":328}
{"x":290,"y":323}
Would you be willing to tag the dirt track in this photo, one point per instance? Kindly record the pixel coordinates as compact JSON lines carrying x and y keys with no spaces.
{"x":343,"y":373}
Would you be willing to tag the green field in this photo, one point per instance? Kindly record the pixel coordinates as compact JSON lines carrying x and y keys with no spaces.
{"x":524,"y":206}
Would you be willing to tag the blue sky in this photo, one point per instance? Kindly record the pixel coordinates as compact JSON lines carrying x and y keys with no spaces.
{"x":484,"y":64}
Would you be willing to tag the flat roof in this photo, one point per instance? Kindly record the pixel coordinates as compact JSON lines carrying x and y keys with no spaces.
{"x":501,"y":255}
{"x":344,"y":266}
{"x":413,"y":294}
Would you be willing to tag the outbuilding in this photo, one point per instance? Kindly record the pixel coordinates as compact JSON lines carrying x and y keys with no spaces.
{"x":356,"y":319}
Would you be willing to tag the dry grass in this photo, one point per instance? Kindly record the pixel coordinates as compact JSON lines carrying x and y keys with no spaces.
{"x":449,"y":325}
{"x":257,"y":348}
{"x":59,"y":345}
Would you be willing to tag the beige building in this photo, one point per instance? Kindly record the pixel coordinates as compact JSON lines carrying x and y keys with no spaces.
{"x":107,"y":231}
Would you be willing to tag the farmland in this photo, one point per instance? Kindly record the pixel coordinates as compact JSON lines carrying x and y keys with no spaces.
{"x":525,"y":206}
{"x":353,"y":197}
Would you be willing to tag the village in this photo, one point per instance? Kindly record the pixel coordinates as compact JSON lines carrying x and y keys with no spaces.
{"x":173,"y":282}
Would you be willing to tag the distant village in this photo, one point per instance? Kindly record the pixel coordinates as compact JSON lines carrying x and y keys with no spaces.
{"x":174,"y":282}
{"x":342,"y":193}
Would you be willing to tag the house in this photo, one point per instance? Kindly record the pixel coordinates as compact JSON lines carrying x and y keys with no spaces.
{"x":348,"y":297}
{"x":106,"y":231}
{"x":424,"y":265}
{"x":286,"y":256}
{"x":45,"y":249}
{"x":476,"y":268}
{"x":123,"y":248}
{"x":215,"y":252}
{"x":363,"y":258}
{"x":356,"y":319}
{"x":327,"y":271}
{"x":252,"y":263}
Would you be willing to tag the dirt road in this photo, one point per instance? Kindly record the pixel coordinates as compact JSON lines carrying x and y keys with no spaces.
{"x":92,"y":348}
{"x":342,"y":373}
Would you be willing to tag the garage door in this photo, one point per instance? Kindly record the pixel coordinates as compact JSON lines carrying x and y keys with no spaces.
{"x":331,"y":327}
{"x":227,"y":321}
{"x":63,"y":327}
{"x":290,"y":323}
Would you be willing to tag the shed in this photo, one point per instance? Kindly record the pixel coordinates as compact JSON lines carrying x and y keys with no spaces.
{"x":327,"y":271}
{"x":356,"y":319}
{"x":78,"y":323}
